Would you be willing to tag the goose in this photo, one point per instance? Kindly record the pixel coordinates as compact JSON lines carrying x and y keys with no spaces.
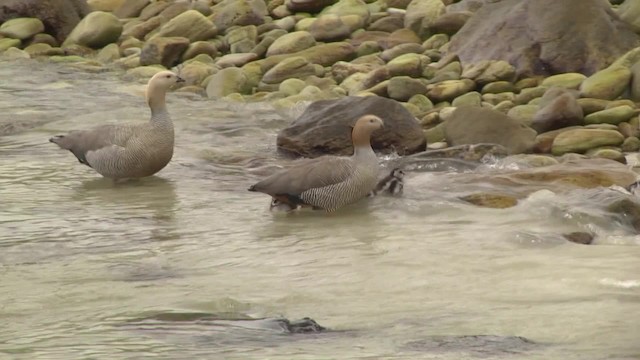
{"x":128,"y":151}
{"x":392,"y":183}
{"x":328,"y":182}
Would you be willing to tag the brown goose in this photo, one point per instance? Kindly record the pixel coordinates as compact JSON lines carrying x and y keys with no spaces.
{"x":328,"y":182}
{"x":129,"y":150}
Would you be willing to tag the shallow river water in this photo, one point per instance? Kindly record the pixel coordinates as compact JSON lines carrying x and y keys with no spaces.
{"x":82,"y":260}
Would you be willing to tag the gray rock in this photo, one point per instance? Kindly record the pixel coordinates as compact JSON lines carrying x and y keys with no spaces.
{"x":325,"y":127}
{"x":474,"y":125}
{"x":559,"y":109}
{"x":525,"y":34}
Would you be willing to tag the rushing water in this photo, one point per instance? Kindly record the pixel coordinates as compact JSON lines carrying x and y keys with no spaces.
{"x":81,"y":259}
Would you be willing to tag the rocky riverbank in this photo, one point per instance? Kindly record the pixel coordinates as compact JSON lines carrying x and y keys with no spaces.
{"x":533,"y":76}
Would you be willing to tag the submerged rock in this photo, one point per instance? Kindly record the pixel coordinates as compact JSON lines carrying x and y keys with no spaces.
{"x":579,"y":237}
{"x":496,"y":201}
{"x":325,"y":128}
{"x":473,"y":125}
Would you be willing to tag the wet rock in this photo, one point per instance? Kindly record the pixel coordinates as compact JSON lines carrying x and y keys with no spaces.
{"x":581,"y":140}
{"x":130,"y":8}
{"x":579,"y":237}
{"x":607,"y":153}
{"x":143,"y":72}
{"x":469,"y":152}
{"x":495,"y":201}
{"x":96,"y":30}
{"x":501,"y":30}
{"x":109,"y":53}
{"x":422,"y":14}
{"x":606,"y":84}
{"x":614,"y":115}
{"x":291,"y":43}
{"x":474,"y":125}
{"x":294,"y":67}
{"x":228,"y":81}
{"x":238,"y":12}
{"x":628,"y":212}
{"x":15,"y":53}
{"x":449,"y":89}
{"x":325,"y":127}
{"x":568,"y":80}
{"x":59,"y":16}
{"x":310,"y":6}
{"x":7,"y":43}
{"x":165,"y":51}
{"x":190,"y":24}
{"x":21,"y":28}
{"x":402,"y":88}
{"x":559,"y":108}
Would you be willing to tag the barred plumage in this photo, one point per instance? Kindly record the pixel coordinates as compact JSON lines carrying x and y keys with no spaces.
{"x":328,"y":182}
{"x":130,"y":150}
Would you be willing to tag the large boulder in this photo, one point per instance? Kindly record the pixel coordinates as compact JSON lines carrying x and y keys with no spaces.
{"x":58,"y":16}
{"x":544,"y":37}
{"x":325,"y":128}
{"x":475,"y":125}
{"x":97,"y":30}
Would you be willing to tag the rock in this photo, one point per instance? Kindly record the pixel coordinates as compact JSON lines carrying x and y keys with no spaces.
{"x":488,"y":71}
{"x":348,"y":7}
{"x":324,"y":127}
{"x":140,"y":31}
{"x":579,"y":237}
{"x":321,"y":54}
{"x":329,"y":28}
{"x":7,"y":43}
{"x":635,"y":82}
{"x":291,"y":43}
{"x":143,"y":72}
{"x":559,"y":109}
{"x":399,"y":50}
{"x":109,"y":53}
{"x":523,"y":113}
{"x":388,"y":24}
{"x":581,"y":140}
{"x":21,"y":28}
{"x":528,"y":94}
{"x":614,"y":115}
{"x":449,"y":89}
{"x":496,"y":87}
{"x":628,"y":130}
{"x":238,"y":12}
{"x":451,"y":22}
{"x":590,"y":105}
{"x":235,"y":60}
{"x":200,"y":47}
{"x":544,"y":37}
{"x":104,"y":5}
{"x":242,"y":39}
{"x":96,"y":30}
{"x":422,"y":14}
{"x":293,"y":67}
{"x":630,"y":144}
{"x":14,"y":53}
{"x":474,"y":125}
{"x":408,"y":64}
{"x":544,"y":141}
{"x":629,"y":11}
{"x":190,"y":24}
{"x":569,"y":80}
{"x":154,"y":9}
{"x":628,"y":212}
{"x":468,"y":153}
{"x":39,"y":50}
{"x":165,"y":51}
{"x":402,"y":88}
{"x":130,"y":8}
{"x":495,"y":201}
{"x":607,"y":153}
{"x":292,"y":87}
{"x":470,"y":99}
{"x":58,"y":16}
{"x":606,"y":84}
{"x":310,"y":6}
{"x":342,"y":69}
{"x":195,"y":72}
{"x":228,"y":81}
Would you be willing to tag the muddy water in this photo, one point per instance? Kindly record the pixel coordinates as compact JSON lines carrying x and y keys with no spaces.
{"x":81,"y":259}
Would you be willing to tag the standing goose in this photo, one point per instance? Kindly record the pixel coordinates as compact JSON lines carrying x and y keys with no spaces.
{"x":129,"y":150}
{"x":328,"y":182}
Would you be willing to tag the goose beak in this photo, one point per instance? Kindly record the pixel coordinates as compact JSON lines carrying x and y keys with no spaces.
{"x":179,"y":79}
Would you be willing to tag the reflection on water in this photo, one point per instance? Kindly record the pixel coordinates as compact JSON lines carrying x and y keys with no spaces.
{"x":82,"y":257}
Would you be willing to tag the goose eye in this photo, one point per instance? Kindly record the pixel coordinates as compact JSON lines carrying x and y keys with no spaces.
{"x":168,"y":76}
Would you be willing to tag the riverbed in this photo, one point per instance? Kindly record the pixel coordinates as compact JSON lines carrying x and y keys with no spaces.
{"x":82,"y":258}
